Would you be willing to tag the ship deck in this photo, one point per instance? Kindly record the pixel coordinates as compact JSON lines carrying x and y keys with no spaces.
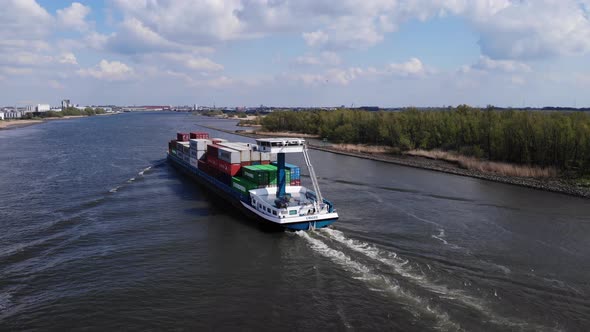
{"x":297,"y":197}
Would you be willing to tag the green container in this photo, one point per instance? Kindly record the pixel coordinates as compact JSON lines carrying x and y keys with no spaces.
{"x":255,"y":174}
{"x":272,"y":174}
{"x":242,"y":185}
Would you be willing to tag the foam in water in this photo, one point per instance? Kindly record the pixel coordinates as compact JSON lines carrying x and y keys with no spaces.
{"x":391,"y":260}
{"x":144,"y":170}
{"x":398,"y":266}
{"x":376,"y":282}
{"x":114,"y":190}
{"x":141,"y":173}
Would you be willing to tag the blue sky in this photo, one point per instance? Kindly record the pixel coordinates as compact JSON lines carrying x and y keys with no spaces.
{"x":296,"y":52}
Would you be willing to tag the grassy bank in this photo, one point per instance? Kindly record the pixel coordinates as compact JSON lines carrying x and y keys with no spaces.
{"x":485,"y":166}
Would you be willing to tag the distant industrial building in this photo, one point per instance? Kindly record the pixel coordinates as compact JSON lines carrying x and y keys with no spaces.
{"x":1,"y":115}
{"x":42,"y":108}
{"x":65,"y":104}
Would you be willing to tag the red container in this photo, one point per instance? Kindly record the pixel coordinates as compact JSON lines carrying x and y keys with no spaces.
{"x":295,"y":182}
{"x":216,"y":141}
{"x":246,"y":163}
{"x":265,"y":162}
{"x":182,"y":137}
{"x":199,"y":135}
{"x":213,"y":161}
{"x":227,"y":168}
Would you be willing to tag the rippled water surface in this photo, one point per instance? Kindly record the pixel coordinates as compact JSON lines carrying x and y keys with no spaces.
{"x":99,"y":232}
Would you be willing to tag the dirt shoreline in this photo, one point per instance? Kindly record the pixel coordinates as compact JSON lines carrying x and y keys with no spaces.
{"x":13,"y":124}
{"x":553,"y":185}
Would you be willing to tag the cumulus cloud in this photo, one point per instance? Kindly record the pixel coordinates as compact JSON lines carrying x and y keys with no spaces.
{"x":108,"y":71}
{"x":186,"y":21}
{"x":508,"y":29}
{"x":133,"y":37}
{"x":506,"y":66}
{"x":74,"y":16}
{"x":411,"y":68}
{"x":24,"y":20}
{"x":535,"y":29}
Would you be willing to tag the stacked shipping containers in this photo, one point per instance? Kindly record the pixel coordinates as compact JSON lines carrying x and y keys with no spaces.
{"x":182,"y":137}
{"x":226,"y":161}
{"x":198,"y":148}
{"x":182,"y":151}
{"x":199,"y":135}
{"x":295,"y":174}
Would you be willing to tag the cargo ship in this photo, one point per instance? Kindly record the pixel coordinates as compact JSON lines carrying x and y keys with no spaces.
{"x":255,"y":179}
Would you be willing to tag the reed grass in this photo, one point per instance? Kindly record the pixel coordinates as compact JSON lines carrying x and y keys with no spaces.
{"x":485,"y":166}
{"x":361,"y":148}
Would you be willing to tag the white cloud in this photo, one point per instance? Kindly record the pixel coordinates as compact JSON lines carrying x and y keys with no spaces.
{"x":192,"y":62}
{"x":508,"y":29}
{"x":324,"y":58}
{"x":109,"y":71}
{"x":68,"y":58}
{"x":506,"y":66}
{"x":96,"y":40}
{"x":535,"y":29}
{"x":186,"y":21}
{"x":315,"y":38}
{"x":134,"y":37}
{"x":411,"y":68}
{"x":15,"y":71}
{"x":24,"y":19}
{"x":25,"y":59}
{"x":74,"y":16}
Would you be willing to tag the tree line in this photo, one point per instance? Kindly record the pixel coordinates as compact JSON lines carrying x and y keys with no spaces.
{"x":557,"y":139}
{"x":69,"y":111}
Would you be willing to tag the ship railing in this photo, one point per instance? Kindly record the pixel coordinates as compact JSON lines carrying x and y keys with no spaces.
{"x":330,"y":205}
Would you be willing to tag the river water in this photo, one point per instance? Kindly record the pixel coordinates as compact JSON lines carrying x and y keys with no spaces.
{"x":99,"y":232}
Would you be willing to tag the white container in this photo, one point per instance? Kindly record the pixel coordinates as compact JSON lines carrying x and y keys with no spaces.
{"x":199,"y":144}
{"x":264,"y":156}
{"x":229,"y":155}
{"x":197,"y":154}
{"x":244,"y":150}
{"x":254,"y":156}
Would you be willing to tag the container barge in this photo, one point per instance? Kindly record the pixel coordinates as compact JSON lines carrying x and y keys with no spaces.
{"x":255,"y":178}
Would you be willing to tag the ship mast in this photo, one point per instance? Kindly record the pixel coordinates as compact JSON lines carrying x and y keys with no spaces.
{"x":314,"y":179}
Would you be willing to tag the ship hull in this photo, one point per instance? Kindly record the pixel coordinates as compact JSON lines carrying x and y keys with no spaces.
{"x":238,"y":202}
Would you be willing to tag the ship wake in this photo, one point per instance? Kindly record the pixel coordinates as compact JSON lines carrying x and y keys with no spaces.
{"x":380,"y":283}
{"x":385,"y":271}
